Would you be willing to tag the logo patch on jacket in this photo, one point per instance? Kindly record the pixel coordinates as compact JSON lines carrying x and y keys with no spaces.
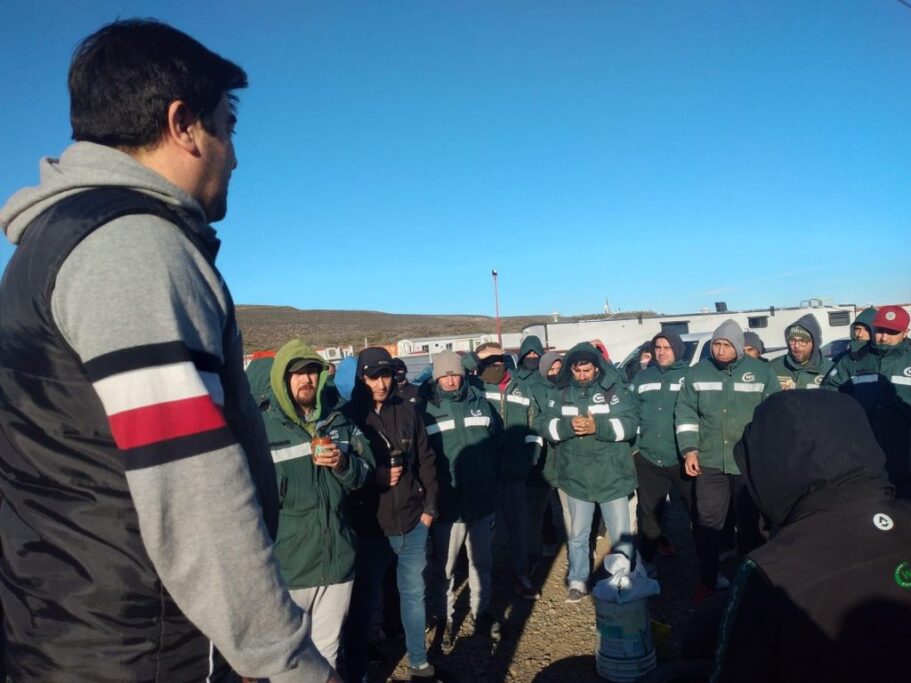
{"x":598,"y":398}
{"x":748,"y":377}
{"x":883,"y":522}
{"x":907,"y":372}
{"x":903,"y":574}
{"x":333,"y":435}
{"x":614,"y":400}
{"x":476,"y":412}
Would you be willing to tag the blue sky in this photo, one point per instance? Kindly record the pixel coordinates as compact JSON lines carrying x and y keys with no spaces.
{"x":663,"y":155}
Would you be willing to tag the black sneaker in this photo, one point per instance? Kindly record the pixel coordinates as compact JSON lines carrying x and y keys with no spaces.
{"x":422,"y":673}
{"x":522,"y":586}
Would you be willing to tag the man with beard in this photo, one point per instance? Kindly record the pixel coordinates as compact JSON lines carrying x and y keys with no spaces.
{"x":316,"y":542}
{"x":714,"y":405}
{"x":829,"y":597}
{"x":521,"y":446}
{"x":803,"y":366}
{"x":590,"y":419}
{"x":878,"y":376}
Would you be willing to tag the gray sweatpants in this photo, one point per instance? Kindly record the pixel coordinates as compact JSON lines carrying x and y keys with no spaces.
{"x":448,"y":540}
{"x":327,"y":606}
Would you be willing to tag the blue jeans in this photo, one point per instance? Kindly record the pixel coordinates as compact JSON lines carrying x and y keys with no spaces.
{"x":619,"y":530}
{"x":373,"y":558}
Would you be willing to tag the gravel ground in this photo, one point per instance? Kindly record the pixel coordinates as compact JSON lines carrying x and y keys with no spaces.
{"x":549,"y":640}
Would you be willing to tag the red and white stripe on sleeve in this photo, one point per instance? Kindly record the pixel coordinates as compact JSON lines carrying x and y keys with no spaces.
{"x":164,"y":402}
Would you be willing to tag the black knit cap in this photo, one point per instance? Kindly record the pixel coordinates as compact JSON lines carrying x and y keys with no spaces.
{"x":674,"y":341}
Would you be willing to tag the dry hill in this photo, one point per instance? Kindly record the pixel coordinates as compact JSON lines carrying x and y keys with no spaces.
{"x":268,"y":327}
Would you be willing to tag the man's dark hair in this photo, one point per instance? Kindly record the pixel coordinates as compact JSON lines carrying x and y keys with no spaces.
{"x":125,"y":75}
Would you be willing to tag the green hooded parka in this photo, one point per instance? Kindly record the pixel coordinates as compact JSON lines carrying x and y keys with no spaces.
{"x":315,"y":544}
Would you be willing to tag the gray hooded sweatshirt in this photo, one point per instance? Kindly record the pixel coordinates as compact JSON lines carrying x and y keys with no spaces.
{"x":138,"y":282}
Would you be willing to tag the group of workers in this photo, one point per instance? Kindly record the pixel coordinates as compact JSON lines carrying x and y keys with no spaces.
{"x":429,"y":469}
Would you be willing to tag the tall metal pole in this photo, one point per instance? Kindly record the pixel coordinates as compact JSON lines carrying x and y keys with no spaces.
{"x":496,"y":300}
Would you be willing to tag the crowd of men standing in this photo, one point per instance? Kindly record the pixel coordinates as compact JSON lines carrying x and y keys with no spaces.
{"x":423,"y":471}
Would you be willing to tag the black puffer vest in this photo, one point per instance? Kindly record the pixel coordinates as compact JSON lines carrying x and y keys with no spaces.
{"x":81,"y":598}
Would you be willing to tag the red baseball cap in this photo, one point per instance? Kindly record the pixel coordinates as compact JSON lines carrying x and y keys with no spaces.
{"x":892,"y":318}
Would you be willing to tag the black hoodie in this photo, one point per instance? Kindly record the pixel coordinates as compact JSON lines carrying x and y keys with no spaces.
{"x":829,"y":597}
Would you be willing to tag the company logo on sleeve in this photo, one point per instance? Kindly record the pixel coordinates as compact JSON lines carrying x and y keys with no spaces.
{"x":883,"y":522}
{"x":748,"y":377}
{"x":903,"y":574}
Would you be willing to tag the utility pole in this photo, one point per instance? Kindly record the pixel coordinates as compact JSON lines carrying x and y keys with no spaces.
{"x":496,"y":301}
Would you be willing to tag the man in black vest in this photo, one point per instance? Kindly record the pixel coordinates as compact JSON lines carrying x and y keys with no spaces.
{"x":139,"y":496}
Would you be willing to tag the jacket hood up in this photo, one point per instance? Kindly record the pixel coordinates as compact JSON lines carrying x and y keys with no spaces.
{"x":292,"y":351}
{"x":675,"y":342}
{"x":865,"y":318}
{"x":85,"y":166}
{"x":809,"y":450}
{"x":530,"y":343}
{"x":811,"y":325}
{"x":547,"y":360}
{"x":607,"y":374}
{"x":732,"y":332}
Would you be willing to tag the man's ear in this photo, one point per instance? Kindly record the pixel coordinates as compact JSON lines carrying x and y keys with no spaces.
{"x":183,"y":126}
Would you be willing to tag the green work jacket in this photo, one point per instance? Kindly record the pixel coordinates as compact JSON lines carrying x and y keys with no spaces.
{"x":465,"y":433}
{"x":315,"y":544}
{"x":521,"y":444}
{"x":597,"y":467}
{"x":654,"y":391}
{"x":794,"y":376}
{"x":715,"y":404}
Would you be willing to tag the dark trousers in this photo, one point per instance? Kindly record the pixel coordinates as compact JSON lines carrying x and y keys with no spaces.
{"x":655,"y":482}
{"x":715,"y":491}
